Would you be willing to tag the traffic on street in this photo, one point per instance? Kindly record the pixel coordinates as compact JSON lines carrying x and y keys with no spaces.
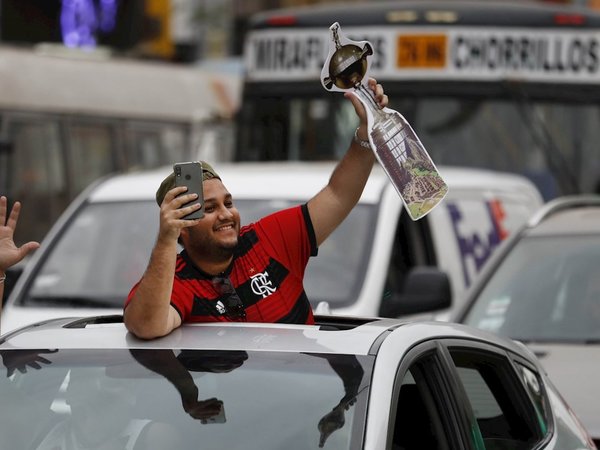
{"x":288,"y":291}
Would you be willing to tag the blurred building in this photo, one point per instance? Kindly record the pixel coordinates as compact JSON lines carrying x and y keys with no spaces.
{"x":182,"y":31}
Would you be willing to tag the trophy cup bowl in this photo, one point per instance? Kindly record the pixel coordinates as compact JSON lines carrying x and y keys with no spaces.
{"x":348,"y":65}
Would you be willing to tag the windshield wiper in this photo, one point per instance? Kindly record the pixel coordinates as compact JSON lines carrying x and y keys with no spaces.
{"x":462,"y":116}
{"x":557,"y":162}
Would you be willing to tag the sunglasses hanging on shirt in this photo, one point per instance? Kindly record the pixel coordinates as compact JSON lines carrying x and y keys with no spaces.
{"x":234,"y":307}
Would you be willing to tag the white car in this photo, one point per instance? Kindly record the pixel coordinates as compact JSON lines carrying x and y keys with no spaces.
{"x":377,"y":263}
{"x":342,"y":384}
{"x":543,"y":288}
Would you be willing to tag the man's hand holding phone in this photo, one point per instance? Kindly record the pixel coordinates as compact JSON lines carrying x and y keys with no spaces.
{"x":189,"y":175}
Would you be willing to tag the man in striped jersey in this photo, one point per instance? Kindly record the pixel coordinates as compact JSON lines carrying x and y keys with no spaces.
{"x":254,"y":273}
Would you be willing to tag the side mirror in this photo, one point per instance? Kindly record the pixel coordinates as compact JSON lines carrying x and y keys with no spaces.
{"x":425,"y":289}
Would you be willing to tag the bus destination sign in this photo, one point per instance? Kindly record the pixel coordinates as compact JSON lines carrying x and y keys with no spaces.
{"x":453,"y":53}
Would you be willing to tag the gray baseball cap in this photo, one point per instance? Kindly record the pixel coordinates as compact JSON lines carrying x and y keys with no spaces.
{"x":169,"y":183}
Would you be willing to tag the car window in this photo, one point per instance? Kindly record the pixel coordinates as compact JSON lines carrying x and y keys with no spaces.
{"x":504,"y":412}
{"x":222,"y":399}
{"x":98,"y":258}
{"x":421,"y":421}
{"x":533,"y":384}
{"x":546,"y":289}
{"x":105,"y":249}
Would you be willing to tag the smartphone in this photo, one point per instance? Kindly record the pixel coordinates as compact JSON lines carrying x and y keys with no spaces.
{"x":219,"y":418}
{"x":189,"y":174}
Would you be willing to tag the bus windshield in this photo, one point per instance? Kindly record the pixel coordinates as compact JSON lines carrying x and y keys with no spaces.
{"x":510,"y":87}
{"x":551,"y":142}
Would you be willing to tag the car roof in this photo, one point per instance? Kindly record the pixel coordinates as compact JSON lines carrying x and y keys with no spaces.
{"x":294,"y":180}
{"x":568,"y":215}
{"x":331,"y":334}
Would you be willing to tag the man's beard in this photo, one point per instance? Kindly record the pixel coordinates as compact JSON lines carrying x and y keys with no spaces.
{"x":221,"y":252}
{"x":212,"y":249}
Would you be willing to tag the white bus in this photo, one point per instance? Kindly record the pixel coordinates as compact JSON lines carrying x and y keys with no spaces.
{"x":68,"y":119}
{"x":511,"y":86}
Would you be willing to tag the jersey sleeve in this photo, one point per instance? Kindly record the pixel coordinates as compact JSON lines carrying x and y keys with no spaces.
{"x":131,"y":294}
{"x":180,"y":305}
{"x":290,"y":235}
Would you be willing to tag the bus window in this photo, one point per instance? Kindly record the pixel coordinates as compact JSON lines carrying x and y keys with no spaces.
{"x":296,"y":129}
{"x":5,"y":153}
{"x":149,"y":147}
{"x":90,"y":153}
{"x":89,"y":115}
{"x":36,"y":174}
{"x":449,"y":126}
{"x":262,"y":129}
{"x":550,"y":149}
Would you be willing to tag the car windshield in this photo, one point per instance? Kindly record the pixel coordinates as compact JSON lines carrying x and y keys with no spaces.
{"x":546,"y":289}
{"x":105,"y":249}
{"x":183,"y":399}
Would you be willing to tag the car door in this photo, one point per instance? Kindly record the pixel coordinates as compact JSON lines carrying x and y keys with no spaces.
{"x":458,"y":394}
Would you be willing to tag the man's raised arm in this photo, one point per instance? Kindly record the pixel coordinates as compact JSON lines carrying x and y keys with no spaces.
{"x":149,"y":313}
{"x":335,"y":201}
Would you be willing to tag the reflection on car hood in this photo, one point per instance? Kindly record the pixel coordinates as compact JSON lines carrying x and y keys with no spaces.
{"x":574,"y":370}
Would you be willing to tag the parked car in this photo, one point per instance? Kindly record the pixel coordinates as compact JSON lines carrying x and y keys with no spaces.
{"x":101,"y":245}
{"x":543,"y":288}
{"x":344,"y":383}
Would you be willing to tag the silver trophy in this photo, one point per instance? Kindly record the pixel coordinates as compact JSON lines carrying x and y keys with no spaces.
{"x":396,"y":146}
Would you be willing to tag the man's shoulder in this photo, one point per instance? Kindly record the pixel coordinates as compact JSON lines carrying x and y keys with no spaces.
{"x":278,"y":217}
{"x":185,"y":269}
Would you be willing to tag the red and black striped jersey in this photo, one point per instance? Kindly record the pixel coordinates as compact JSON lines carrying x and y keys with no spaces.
{"x":267,"y":273}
